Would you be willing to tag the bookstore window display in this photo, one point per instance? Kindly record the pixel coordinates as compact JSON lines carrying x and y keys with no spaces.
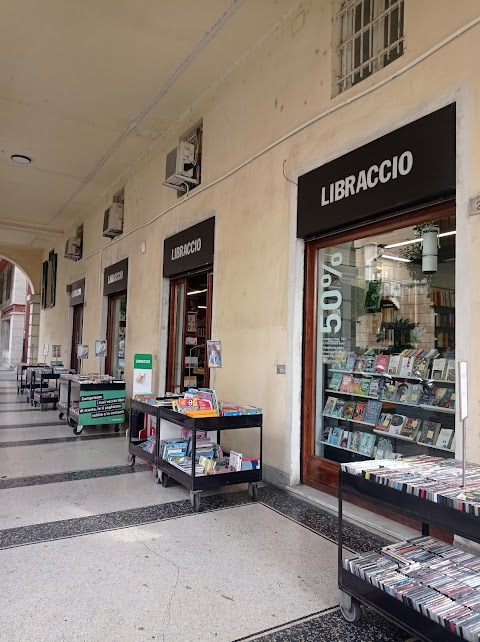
{"x":385,"y":372}
{"x":117,"y":334}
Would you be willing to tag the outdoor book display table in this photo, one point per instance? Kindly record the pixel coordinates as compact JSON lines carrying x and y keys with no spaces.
{"x":22,"y":374}
{"x":441,"y":513}
{"x":89,"y":402}
{"x":38,"y":392}
{"x":193,"y":481}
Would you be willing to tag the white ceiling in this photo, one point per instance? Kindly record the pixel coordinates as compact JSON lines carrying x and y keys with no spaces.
{"x":86,"y":86}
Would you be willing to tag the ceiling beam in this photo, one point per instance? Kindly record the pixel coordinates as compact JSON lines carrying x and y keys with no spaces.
{"x":33,"y":228}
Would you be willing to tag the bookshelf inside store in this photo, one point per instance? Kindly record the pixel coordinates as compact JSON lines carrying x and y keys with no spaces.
{"x":385,"y":384}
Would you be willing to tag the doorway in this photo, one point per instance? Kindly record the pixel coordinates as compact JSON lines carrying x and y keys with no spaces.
{"x":189,"y":330}
{"x":116,"y":334}
{"x":77,"y":331}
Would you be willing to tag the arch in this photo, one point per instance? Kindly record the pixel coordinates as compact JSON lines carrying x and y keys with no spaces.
{"x":28,"y":260}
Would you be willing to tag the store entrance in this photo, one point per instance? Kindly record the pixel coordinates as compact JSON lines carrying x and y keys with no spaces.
{"x":77,"y":331}
{"x":189,"y":329}
{"x":116,"y":334}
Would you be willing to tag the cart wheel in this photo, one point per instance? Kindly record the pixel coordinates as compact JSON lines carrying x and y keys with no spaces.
{"x":131,"y":460}
{"x":253,"y":492}
{"x":61,"y":415}
{"x":350,"y":608}
{"x":77,"y":430}
{"x":165,"y":480}
{"x":117,"y":428}
{"x":195,"y":501}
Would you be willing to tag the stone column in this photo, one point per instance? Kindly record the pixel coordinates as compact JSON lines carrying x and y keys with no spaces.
{"x":33,"y":328}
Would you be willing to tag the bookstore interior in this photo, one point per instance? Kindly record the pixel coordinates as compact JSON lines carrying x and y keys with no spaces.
{"x":385,"y":357}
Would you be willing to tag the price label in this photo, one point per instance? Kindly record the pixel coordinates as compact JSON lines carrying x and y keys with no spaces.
{"x":330,"y":296}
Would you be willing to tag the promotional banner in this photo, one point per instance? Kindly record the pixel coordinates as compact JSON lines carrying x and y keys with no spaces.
{"x":102,"y":407}
{"x":142,"y":374}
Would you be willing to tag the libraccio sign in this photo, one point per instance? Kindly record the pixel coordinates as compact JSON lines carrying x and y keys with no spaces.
{"x":189,"y":250}
{"x":409,"y":166}
{"x":116,"y":277}
{"x":77,"y":292}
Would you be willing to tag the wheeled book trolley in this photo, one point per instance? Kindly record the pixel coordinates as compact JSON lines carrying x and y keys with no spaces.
{"x":39,"y":379}
{"x":195,"y":483}
{"x":22,"y":374}
{"x":354,"y":590}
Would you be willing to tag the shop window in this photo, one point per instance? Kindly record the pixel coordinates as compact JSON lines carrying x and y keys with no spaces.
{"x":49,"y":280}
{"x":385,"y":351}
{"x":117,"y":334}
{"x":370,"y":38}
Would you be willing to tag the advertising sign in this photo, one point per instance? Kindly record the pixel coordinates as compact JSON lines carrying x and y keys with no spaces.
{"x":102,"y":407}
{"x":142,"y":374}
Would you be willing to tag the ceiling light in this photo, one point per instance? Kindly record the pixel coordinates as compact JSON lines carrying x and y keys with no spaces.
{"x":387,"y":247}
{"x":395,"y":258}
{"x":22,"y":160}
{"x":196,"y":292}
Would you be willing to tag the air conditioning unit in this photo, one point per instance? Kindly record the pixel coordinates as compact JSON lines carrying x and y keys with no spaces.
{"x":113,"y":220}
{"x":73,"y":249}
{"x":179,"y":168}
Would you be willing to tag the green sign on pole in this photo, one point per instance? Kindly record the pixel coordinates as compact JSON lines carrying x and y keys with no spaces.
{"x":142,"y":374}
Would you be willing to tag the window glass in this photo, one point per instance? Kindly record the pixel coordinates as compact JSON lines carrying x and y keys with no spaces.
{"x":119,"y":333}
{"x":386,"y":345}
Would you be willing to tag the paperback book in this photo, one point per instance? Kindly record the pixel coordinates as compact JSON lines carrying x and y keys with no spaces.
{"x":438,"y":369}
{"x":330,"y":405}
{"x":450,"y":372}
{"x":374,"y":387}
{"x":389,"y":392}
{"x":356,"y":440}
{"x":393,"y":364}
{"x":336,"y":436}
{"x":360,"y":409}
{"x":349,"y":409}
{"x":335,"y":381}
{"x":428,"y":433}
{"x":351,"y":358}
{"x":367,"y":444}
{"x":397,"y":423}
{"x":382,"y":363}
{"x":401,"y":392}
{"x":338,"y":409}
{"x":444,"y":438}
{"x":384,"y":421}
{"x":372,"y":412}
{"x":413,"y":394}
{"x":364,"y":387}
{"x":346,"y":384}
{"x":410,"y":428}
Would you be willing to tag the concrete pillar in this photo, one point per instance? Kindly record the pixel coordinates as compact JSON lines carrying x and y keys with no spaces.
{"x":33,"y":328}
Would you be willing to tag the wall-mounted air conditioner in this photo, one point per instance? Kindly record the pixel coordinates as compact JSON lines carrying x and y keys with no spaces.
{"x":73,"y":249}
{"x":179,"y":167}
{"x":113,"y":220}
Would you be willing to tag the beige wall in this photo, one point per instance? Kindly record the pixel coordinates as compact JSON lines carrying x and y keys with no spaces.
{"x":257,"y":313}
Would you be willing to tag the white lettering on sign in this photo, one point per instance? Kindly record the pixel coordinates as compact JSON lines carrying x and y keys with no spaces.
{"x":77,"y":292}
{"x":186,"y":249}
{"x":142,"y":361}
{"x":116,"y":276}
{"x":331,"y":300}
{"x":367,"y":178}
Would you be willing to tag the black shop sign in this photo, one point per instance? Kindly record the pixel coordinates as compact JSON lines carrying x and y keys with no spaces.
{"x":77,"y":292}
{"x":116,"y":277}
{"x":189,"y":250}
{"x":410,"y":166}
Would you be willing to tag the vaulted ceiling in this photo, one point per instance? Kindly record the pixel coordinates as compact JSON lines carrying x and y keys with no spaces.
{"x":85,"y":87}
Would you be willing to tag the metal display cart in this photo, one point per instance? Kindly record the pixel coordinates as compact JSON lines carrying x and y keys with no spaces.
{"x":22,"y":374}
{"x":195,"y":483}
{"x":91,"y":404}
{"x":38,"y":381}
{"x":354,"y":590}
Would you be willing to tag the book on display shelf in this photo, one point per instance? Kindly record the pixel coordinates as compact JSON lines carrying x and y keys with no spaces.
{"x":372,"y":412}
{"x":350,"y":362}
{"x":355,"y":386}
{"x":389,"y":392}
{"x":444,"y":438}
{"x":338,"y":409}
{"x":428,"y":433}
{"x":414,"y":393}
{"x":382,"y":363}
{"x":402,"y":391}
{"x":335,"y":381}
{"x":336,"y":436}
{"x":347,"y":382}
{"x":406,"y":366}
{"x":360,"y":364}
{"x":374,"y":387}
{"x":450,"y":371}
{"x":360,"y":410}
{"x":356,"y":440}
{"x":364,"y":387}
{"x":393,"y":364}
{"x":410,"y":428}
{"x":396,"y":425}
{"x":346,"y":438}
{"x":349,"y":409}
{"x":330,"y":405}
{"x":384,"y":421}
{"x":367,"y":444}
{"x":438,"y":368}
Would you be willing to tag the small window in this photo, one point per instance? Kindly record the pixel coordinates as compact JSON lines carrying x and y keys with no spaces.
{"x":370,"y":37}
{"x":49,"y":280}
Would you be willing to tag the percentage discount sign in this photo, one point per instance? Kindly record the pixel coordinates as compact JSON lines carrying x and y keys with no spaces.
{"x":331,"y":299}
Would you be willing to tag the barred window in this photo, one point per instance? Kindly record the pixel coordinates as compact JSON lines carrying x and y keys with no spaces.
{"x":371,"y":37}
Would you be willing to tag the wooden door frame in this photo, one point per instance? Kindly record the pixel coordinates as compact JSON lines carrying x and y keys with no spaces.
{"x":112,"y":298}
{"x":74,"y":361}
{"x":314,"y":468}
{"x":172,"y":325}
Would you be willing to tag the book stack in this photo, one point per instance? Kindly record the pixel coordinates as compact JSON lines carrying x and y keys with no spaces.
{"x":434,"y":578}
{"x":171,"y":448}
{"x":411,"y":363}
{"x":356,"y":411}
{"x":148,"y":445}
{"x":185,"y":464}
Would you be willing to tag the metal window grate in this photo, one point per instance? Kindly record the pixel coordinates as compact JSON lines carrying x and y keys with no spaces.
{"x":371,"y":37}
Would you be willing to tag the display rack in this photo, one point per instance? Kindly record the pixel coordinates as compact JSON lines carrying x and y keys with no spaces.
{"x":37,"y":382}
{"x":195,"y":483}
{"x":22,"y":374}
{"x":91,"y":403}
{"x":354,"y":590}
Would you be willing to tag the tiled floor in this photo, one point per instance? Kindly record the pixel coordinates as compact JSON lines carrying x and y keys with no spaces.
{"x":103,"y":552}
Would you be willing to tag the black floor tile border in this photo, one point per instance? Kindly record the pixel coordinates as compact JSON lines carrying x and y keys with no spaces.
{"x":331,"y":627}
{"x":77,"y":475}
{"x":30,"y":409}
{"x":27,"y":425}
{"x":256,"y":636}
{"x":58,"y":440}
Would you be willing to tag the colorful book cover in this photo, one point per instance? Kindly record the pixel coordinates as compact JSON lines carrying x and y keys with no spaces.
{"x":339,"y":407}
{"x":438,"y":396}
{"x":336,"y":436}
{"x":389,"y":392}
{"x":384,"y":420}
{"x":410,"y":427}
{"x":347,"y":381}
{"x":421,"y":367}
{"x":349,"y":409}
{"x":414,"y":393}
{"x":406,"y":367}
{"x":401,"y":392}
{"x":369,"y":364}
{"x":335,"y":381}
{"x":426,"y":396}
{"x":345,"y":439}
{"x":351,"y":358}
{"x":367,"y":444}
{"x":355,"y":388}
{"x":330,"y":405}
{"x":397,"y":423}
{"x":444,"y":438}
{"x":374,"y":387}
{"x":327,"y":431}
{"x":372,"y":412}
{"x":448,"y":400}
{"x":393,"y":364}
{"x":428,"y":433}
{"x":450,"y":371}
{"x":360,"y":409}
{"x":438,"y":369}
{"x":356,"y":440}
{"x":382,"y":363}
{"x":360,"y":364}
{"x":364,"y":387}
